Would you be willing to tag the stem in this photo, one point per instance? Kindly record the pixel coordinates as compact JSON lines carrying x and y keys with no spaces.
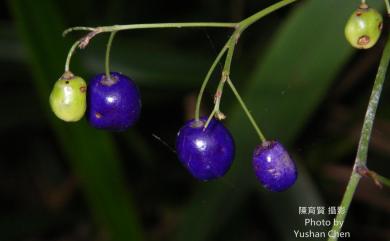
{"x":108,"y":50}
{"x":387,"y":7}
{"x":152,"y":26}
{"x":219,"y":91}
{"x":229,"y":57}
{"x":70,"y":54}
{"x":77,"y":29}
{"x":206,"y":79}
{"x":217,"y":97}
{"x":247,"y":112}
{"x":376,"y":178}
{"x":244,"y":24}
{"x":209,"y":119}
{"x":225,"y":74}
{"x":383,"y":180}
{"x":361,"y":156}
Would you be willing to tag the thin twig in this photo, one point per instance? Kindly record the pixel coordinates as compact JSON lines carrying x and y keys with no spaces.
{"x":361,"y":156}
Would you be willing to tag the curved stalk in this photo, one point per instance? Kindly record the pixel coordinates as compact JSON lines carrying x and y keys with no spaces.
{"x":108,"y":50}
{"x":206,"y":80}
{"x":246,"y":110}
{"x":70,"y":54}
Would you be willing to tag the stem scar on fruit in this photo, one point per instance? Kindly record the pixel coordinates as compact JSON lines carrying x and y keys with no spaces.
{"x":109,"y":80}
{"x":98,"y":115}
{"x":363,"y":40}
{"x":83,"y":89}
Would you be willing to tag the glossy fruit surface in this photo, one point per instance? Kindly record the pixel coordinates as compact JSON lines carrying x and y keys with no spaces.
{"x":113,"y":104}
{"x":364,"y":28}
{"x":68,"y":98}
{"x":273,"y":166}
{"x":207,"y":154}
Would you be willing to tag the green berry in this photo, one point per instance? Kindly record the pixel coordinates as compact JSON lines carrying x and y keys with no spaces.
{"x":364,"y":27}
{"x":68,"y":97}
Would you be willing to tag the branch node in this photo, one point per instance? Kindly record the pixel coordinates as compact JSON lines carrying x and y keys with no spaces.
{"x":365,"y":172}
{"x":219,"y":115}
{"x":84,"y":41}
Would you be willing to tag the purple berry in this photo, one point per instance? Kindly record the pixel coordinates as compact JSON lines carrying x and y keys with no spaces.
{"x":274,"y":167}
{"x":113,"y":104}
{"x":207,"y":154}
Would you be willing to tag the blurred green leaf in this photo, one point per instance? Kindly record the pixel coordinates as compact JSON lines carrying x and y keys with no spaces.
{"x":92,"y":153}
{"x":10,"y":47}
{"x":287,"y":85}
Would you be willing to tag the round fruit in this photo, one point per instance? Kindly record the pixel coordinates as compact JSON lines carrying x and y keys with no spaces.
{"x":114,"y":103}
{"x":206,"y":153}
{"x":364,"y":27}
{"x":273,"y":166}
{"x":68,"y":97}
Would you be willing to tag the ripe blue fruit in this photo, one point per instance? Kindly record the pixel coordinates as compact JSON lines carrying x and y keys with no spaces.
{"x":206,"y":153}
{"x":274,"y":167}
{"x":114,"y":103}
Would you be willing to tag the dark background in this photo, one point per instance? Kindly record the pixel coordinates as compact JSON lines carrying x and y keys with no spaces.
{"x":302,"y":81}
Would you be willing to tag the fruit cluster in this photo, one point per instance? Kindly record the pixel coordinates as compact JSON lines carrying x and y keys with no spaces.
{"x":204,"y":145}
{"x":208,"y":153}
{"x":114,"y":103}
{"x":111,"y":103}
{"x":364,"y":27}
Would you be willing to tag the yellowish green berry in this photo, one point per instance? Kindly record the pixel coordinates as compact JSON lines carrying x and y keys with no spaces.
{"x":364,"y":27}
{"x":68,"y":97}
